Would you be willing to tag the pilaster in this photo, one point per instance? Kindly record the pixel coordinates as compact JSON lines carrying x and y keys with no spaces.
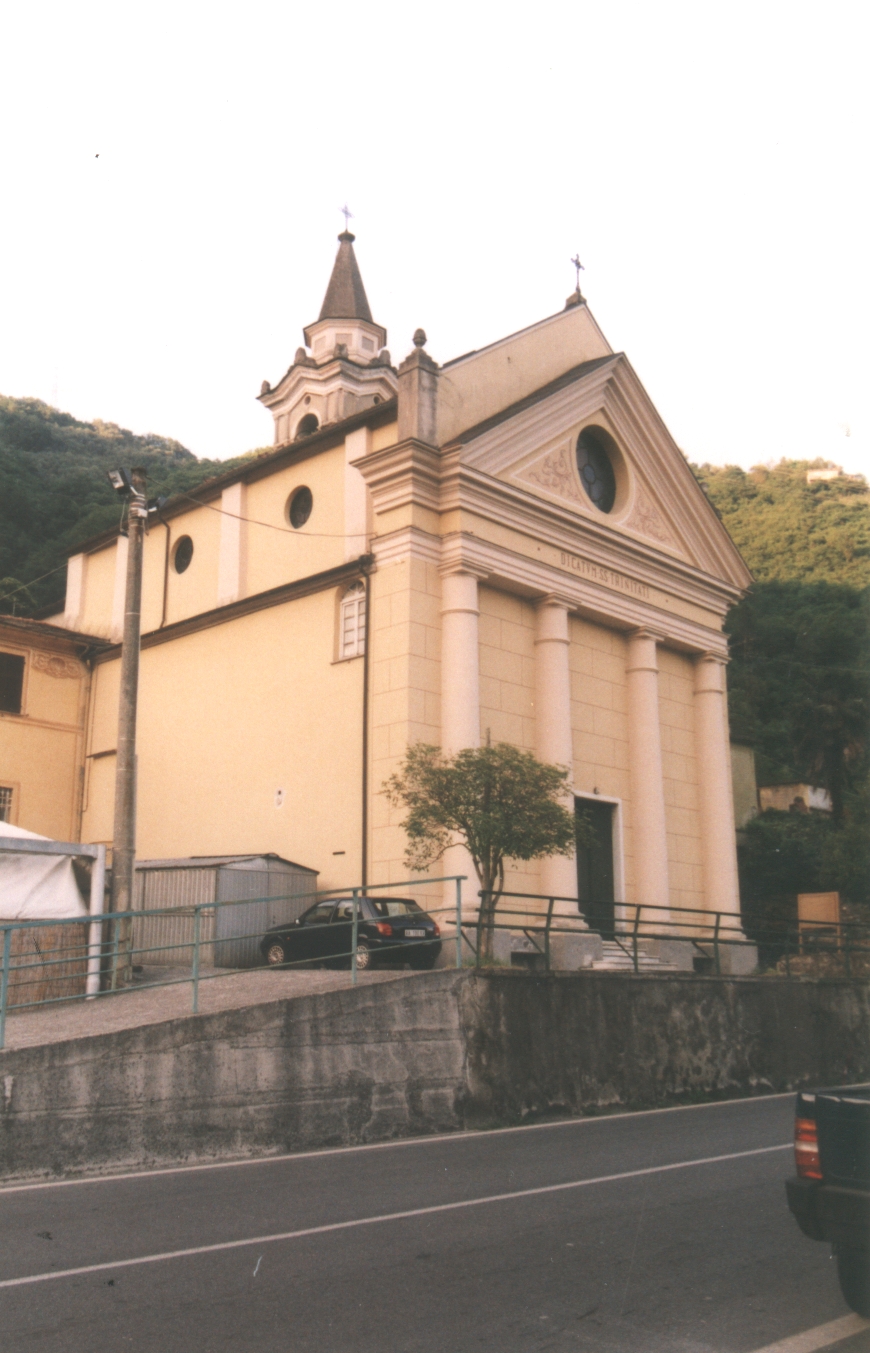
{"x":718,"y":840}
{"x":553,"y":732}
{"x":649,"y":830}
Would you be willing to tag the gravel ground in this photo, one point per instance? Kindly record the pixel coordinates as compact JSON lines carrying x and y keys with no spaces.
{"x":131,"y":1008}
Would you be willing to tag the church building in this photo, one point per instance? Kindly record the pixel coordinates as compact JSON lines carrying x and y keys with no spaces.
{"x":508,"y":546}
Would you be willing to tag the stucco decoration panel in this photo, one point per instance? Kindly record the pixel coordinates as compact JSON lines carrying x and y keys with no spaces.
{"x":554,"y":473}
{"x":646,"y":519}
{"x":54,"y":665}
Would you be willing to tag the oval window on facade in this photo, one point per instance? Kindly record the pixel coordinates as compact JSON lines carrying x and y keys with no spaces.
{"x":299,"y":507}
{"x":183,"y":554}
{"x":595,"y":464}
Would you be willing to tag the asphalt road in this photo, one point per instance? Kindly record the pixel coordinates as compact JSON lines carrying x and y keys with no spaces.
{"x":656,"y":1232}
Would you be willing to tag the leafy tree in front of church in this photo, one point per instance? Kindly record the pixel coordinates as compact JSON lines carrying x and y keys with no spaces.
{"x":502,"y":803}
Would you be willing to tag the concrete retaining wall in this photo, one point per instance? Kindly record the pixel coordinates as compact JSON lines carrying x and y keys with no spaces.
{"x":433,"y":1053}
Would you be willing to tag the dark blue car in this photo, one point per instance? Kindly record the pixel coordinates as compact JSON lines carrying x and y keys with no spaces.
{"x":389,"y":930}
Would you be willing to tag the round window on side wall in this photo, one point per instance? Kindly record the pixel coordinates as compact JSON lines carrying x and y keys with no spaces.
{"x":597,"y":462}
{"x":299,"y":507}
{"x":182,"y":554}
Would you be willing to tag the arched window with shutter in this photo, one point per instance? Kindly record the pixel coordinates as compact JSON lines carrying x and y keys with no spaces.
{"x":352,"y":622}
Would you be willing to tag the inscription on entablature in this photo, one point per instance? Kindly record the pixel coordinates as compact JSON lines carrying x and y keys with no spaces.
{"x":607,"y":576}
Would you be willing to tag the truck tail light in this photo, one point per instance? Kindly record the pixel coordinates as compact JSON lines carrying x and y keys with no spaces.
{"x":384,"y":928}
{"x":806,"y":1149}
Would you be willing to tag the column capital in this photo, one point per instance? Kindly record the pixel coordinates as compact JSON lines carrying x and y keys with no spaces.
{"x":643,"y":651}
{"x":456,"y":567}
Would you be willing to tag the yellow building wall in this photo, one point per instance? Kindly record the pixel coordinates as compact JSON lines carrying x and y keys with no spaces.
{"x":680,"y":773}
{"x":98,"y":592}
{"x":41,"y":748}
{"x":228,"y":716}
{"x":507,"y":693}
{"x":405,"y":655}
{"x":276,"y":553}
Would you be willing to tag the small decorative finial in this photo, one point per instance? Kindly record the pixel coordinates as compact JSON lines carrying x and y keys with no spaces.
{"x":347,"y":214}
{"x":419,"y":338}
{"x":579,"y":266}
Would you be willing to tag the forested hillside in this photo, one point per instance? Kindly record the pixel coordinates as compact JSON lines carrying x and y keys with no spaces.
{"x":54,"y":492}
{"x":800,"y":670}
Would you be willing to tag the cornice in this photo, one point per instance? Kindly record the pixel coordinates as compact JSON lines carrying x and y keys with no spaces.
{"x":261,"y":601}
{"x":462,"y":552}
{"x":407,"y":473}
{"x":508,"y":506}
{"x":260,"y":467}
{"x":613,"y":388}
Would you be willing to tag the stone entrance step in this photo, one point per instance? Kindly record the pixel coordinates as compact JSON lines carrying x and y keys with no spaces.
{"x":615,"y":958}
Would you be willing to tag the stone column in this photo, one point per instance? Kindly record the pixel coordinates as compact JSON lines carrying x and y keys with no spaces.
{"x":460,"y":704}
{"x":649,"y":832}
{"x":553,"y":733}
{"x":718,"y":841}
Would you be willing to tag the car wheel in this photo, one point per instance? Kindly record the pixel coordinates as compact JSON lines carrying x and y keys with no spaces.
{"x":364,"y":956}
{"x":275,"y":954}
{"x":853,"y":1270}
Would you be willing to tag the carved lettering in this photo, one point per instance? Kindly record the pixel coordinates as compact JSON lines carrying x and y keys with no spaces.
{"x":607,"y":576}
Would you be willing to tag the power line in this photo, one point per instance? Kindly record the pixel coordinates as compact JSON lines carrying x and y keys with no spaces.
{"x":285,"y":530}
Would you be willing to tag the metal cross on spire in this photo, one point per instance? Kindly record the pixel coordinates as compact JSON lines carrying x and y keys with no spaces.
{"x":347,"y":214}
{"x":579,"y":266}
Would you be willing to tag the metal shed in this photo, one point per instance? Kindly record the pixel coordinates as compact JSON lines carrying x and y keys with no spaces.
{"x":229,"y":935}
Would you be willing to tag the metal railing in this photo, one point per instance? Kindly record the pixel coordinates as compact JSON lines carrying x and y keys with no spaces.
{"x":710,"y":934}
{"x":47,"y":962}
{"x":103,"y":961}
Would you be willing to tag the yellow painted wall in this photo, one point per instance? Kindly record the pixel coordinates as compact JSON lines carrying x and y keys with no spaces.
{"x":98,"y":592}
{"x":494,"y":378}
{"x":277,"y":556}
{"x":229,"y":715}
{"x":41,"y":748}
{"x":405,"y":656}
{"x":680,"y":773}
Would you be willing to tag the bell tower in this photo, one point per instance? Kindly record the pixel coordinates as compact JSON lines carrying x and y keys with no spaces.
{"x":344,"y":366}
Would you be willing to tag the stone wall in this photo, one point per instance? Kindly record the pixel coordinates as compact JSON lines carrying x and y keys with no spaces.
{"x":434,"y":1053}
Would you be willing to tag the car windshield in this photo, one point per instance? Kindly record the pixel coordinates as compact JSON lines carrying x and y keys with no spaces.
{"x":393,"y":906}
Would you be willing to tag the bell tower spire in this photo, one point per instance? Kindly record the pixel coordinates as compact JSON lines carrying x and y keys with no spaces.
{"x":347,"y":368}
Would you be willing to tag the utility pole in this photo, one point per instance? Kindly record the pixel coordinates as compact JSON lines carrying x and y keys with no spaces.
{"x":124,"y":829}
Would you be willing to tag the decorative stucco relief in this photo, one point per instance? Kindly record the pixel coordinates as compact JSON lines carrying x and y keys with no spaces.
{"x":55,"y":666}
{"x":555,"y":473}
{"x":646,"y":519}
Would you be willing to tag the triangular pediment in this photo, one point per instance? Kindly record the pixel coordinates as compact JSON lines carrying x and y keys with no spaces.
{"x":659,"y":503}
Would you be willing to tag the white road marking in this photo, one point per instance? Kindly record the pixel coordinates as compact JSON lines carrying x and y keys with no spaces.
{"x":823,"y":1336}
{"x":385,"y":1217}
{"x":382,"y":1146}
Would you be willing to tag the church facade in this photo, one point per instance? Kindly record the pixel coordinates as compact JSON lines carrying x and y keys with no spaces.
{"x":507,"y":546}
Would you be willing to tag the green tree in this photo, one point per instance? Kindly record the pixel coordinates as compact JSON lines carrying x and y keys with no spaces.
{"x":502,"y":802}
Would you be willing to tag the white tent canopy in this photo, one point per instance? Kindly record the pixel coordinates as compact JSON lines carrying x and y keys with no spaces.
{"x":37,"y":887}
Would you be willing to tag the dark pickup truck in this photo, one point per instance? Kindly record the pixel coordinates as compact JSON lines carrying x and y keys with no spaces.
{"x":831,"y":1195}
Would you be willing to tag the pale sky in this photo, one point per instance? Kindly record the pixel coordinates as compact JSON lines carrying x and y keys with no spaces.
{"x":173,"y":175}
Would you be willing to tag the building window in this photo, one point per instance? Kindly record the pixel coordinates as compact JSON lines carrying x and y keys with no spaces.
{"x":183,"y":554}
{"x":595,"y":464}
{"x":299,"y":507}
{"x":352,"y":622}
{"x":310,"y":423}
{"x":5,"y":803}
{"x":11,"y":682}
